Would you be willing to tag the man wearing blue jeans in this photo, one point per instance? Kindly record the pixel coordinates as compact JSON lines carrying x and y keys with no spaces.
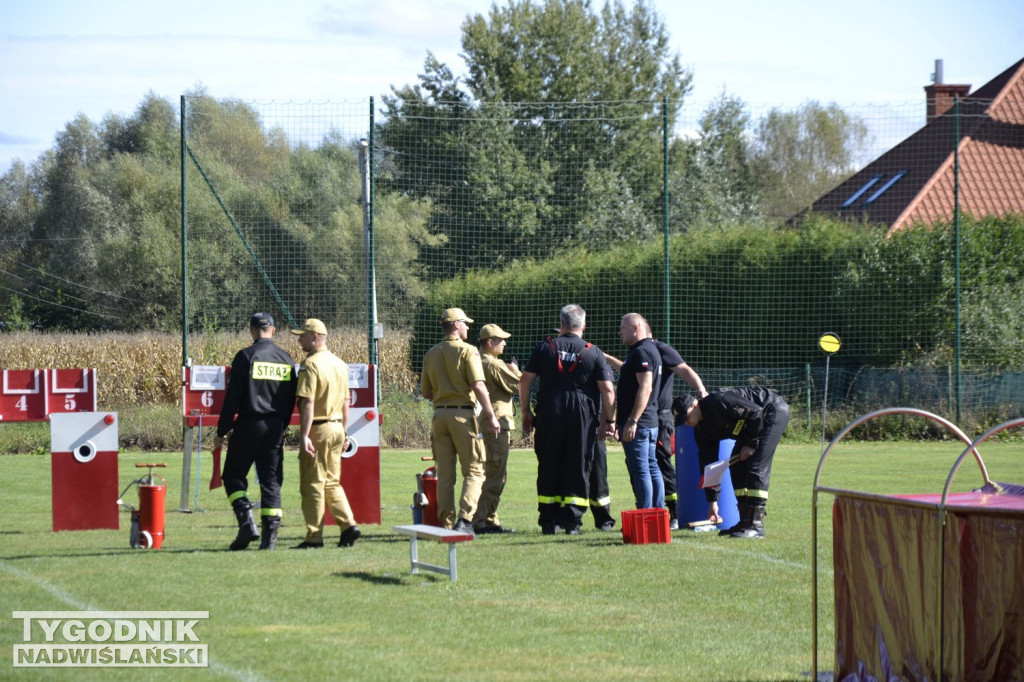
{"x":637,"y":417}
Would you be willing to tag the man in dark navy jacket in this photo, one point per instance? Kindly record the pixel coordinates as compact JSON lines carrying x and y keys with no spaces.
{"x":258,"y":405}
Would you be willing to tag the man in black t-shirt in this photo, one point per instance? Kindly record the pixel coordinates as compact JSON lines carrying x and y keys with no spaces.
{"x":672,"y":365}
{"x":574,"y":403}
{"x":636,"y":420}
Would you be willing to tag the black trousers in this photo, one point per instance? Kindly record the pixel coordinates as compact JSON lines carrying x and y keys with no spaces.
{"x":663,"y":453}
{"x":600,"y":495}
{"x":258,"y":441}
{"x":566,"y":432}
{"x":751,"y":478}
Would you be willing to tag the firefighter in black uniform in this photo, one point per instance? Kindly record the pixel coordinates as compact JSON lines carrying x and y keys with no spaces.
{"x":574,"y":404}
{"x":258,"y":405}
{"x":756,"y":418}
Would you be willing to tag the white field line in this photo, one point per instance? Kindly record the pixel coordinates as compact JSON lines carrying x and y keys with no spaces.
{"x":731,"y":548}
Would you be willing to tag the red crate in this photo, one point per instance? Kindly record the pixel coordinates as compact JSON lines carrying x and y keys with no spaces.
{"x":645,"y":527}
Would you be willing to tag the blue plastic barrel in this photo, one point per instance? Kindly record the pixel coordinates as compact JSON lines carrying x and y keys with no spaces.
{"x":693,"y":505}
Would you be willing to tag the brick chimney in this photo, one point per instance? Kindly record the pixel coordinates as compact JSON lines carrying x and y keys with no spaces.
{"x":940,"y":97}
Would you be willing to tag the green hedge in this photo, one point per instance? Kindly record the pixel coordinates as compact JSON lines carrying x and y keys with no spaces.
{"x":755,"y":297}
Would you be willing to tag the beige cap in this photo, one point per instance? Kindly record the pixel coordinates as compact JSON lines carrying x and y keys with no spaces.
{"x":454,"y":315}
{"x":311,"y":325}
{"x":490,"y":331}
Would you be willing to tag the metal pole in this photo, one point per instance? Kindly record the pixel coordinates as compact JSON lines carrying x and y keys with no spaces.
{"x":186,"y":431}
{"x":664,"y":219}
{"x":956,"y":259}
{"x":807,"y":391}
{"x":184,"y":245}
{"x":829,"y":343}
{"x":814,"y":585}
{"x":824,"y":403}
{"x":366,"y":159}
{"x":364,"y":172}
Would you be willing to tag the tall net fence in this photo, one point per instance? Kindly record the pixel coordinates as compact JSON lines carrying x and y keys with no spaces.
{"x":694,"y":216}
{"x":275,"y":218}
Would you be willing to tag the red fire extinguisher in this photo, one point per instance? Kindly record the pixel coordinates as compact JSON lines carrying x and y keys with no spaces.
{"x":428,"y":481}
{"x":147,"y":529}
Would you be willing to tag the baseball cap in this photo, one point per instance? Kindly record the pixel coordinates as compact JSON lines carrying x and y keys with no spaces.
{"x":490,"y":331}
{"x":454,"y":315}
{"x":311,"y":325}
{"x":262,"y":320}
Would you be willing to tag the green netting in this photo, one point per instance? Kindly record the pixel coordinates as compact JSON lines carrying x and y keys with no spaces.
{"x":512,"y":210}
{"x":275,"y":220}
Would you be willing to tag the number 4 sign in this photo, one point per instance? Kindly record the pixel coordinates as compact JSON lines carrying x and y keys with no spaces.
{"x":23,"y":395}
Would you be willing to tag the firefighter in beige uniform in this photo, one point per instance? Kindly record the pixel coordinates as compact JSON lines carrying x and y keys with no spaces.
{"x":502,"y":381}
{"x":453,"y":379}
{"x":323,"y":414}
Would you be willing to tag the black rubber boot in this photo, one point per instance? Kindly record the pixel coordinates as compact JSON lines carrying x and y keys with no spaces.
{"x":247,"y":530}
{"x":755,"y":527}
{"x":268,"y":539}
{"x":746,"y":509}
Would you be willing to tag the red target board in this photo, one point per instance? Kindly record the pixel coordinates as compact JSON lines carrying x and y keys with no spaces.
{"x":71,"y":390}
{"x":202,"y":393}
{"x":23,"y":395}
{"x":32,"y":395}
{"x":203,"y":390}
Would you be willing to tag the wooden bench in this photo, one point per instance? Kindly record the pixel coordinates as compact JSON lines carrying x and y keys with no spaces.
{"x":420,"y":531}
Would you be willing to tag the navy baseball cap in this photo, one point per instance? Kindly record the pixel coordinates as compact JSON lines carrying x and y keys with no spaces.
{"x":262,"y":320}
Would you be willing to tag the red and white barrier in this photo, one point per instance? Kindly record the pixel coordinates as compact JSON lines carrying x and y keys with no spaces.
{"x":83,"y":470}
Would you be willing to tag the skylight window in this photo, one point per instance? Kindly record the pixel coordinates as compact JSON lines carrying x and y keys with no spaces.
{"x":889,"y":183}
{"x":865,"y":188}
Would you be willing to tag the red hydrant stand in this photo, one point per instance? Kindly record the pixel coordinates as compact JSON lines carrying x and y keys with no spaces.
{"x":148,"y":520}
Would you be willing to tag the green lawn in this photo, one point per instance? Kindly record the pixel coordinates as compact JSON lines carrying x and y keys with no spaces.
{"x":525,"y":607}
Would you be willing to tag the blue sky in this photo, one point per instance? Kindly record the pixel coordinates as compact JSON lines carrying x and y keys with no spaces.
{"x":59,"y":58}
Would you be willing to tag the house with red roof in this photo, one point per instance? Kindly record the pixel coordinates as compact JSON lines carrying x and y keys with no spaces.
{"x":972,"y":146}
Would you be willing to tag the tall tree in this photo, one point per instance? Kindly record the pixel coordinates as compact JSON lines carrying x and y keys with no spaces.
{"x":802,"y":154}
{"x":68,"y":233}
{"x":714,"y":182}
{"x":19,"y":205}
{"x":560,"y":106}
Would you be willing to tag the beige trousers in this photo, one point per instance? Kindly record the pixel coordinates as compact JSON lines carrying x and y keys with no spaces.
{"x":453,"y":439}
{"x":320,"y":481}
{"x":495,"y":475}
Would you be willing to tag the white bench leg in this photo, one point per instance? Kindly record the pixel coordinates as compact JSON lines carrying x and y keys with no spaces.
{"x":453,"y":571}
{"x":414,"y":556}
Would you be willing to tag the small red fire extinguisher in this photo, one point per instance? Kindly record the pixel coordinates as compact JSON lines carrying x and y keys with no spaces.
{"x":428,"y":480}
{"x":147,"y":529}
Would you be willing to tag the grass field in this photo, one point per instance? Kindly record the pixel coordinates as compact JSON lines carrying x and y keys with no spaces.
{"x":525,"y":607}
